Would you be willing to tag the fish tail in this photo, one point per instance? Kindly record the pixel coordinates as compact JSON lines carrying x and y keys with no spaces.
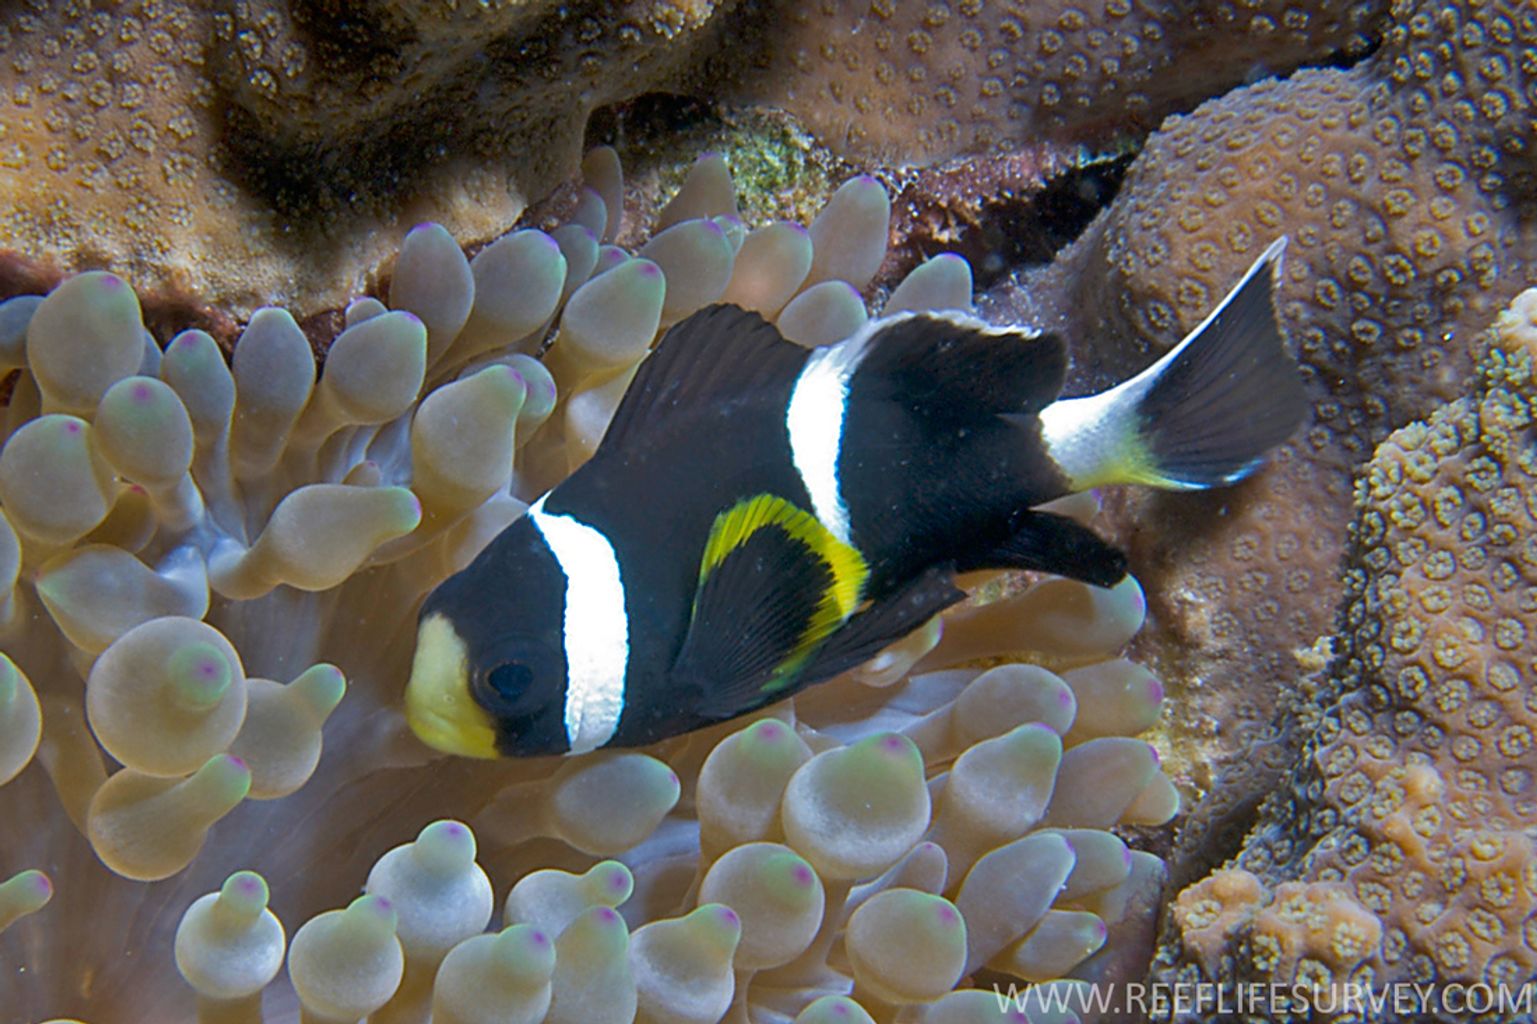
{"x":1203,"y":415}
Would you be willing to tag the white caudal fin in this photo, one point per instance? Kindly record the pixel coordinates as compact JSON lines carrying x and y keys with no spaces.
{"x":1203,"y":415}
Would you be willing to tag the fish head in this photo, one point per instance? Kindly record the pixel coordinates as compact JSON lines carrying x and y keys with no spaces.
{"x":489,"y":675}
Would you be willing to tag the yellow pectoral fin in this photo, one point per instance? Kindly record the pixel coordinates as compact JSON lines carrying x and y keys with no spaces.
{"x":735,"y":526}
{"x":774,"y":583}
{"x":439,"y":706}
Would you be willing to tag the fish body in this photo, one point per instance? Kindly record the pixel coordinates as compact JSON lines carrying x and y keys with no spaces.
{"x":760,"y":516}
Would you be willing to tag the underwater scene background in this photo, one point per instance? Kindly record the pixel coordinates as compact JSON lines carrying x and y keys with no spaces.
{"x":255,"y":415}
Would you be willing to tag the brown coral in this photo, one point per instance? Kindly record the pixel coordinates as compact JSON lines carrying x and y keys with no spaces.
{"x":1409,"y":815}
{"x":928,"y":81}
{"x":1400,"y":182}
{"x":266,"y":151}
{"x":261,"y":152}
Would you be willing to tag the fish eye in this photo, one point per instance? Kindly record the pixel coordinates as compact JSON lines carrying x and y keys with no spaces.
{"x":517,"y":682}
{"x":510,"y":680}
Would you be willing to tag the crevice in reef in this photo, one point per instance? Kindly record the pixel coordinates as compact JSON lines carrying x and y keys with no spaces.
{"x":782,"y":173}
{"x":1020,"y":232}
{"x":1000,"y":211}
{"x":650,"y":122}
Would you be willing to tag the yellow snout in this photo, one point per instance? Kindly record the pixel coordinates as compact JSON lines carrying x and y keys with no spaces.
{"x":438,"y":703}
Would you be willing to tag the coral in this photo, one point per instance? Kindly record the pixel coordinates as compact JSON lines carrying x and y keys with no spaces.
{"x":924,"y":82}
{"x":268,"y":152}
{"x":228,"y":556}
{"x":1401,"y":183}
{"x":1399,"y":850}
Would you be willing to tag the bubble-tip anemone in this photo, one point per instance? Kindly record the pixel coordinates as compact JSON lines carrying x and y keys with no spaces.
{"x":217,"y":564}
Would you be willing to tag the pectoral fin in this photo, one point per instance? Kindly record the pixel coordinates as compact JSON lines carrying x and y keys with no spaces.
{"x":773,"y":585}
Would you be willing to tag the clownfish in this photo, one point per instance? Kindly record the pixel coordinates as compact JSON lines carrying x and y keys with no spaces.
{"x":761,"y":516}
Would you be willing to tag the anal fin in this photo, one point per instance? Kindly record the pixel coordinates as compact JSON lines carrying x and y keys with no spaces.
{"x":1047,"y":542}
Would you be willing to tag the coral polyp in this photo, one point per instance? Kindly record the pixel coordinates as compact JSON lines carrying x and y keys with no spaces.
{"x":216,"y":567}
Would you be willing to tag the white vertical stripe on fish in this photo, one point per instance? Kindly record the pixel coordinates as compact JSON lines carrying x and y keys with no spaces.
{"x":814,"y":422}
{"x":596,"y":627}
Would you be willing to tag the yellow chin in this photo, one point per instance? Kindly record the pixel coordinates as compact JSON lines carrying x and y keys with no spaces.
{"x":438,"y":703}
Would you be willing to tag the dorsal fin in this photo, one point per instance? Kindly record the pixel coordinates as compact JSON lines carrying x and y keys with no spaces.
{"x":951,"y":364}
{"x":720,"y":353}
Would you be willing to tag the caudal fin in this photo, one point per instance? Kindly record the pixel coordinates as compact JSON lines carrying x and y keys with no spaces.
{"x":1202,"y":416}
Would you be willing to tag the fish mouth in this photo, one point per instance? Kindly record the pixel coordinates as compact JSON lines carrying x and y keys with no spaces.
{"x":438,"y":731}
{"x":439,"y":707}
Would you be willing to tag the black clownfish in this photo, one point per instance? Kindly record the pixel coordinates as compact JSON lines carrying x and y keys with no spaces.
{"x":762,"y":516}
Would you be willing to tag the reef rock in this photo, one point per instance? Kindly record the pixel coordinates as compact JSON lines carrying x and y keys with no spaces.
{"x":267,"y":152}
{"x":1399,"y":849}
{"x":1401,"y":183}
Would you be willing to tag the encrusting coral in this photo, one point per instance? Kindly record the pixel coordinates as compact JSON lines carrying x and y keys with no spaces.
{"x":212,"y":572}
{"x":189,"y":147}
{"x":1399,"y":850}
{"x":264,"y":152}
{"x":924,"y":82}
{"x":1402,"y":183}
